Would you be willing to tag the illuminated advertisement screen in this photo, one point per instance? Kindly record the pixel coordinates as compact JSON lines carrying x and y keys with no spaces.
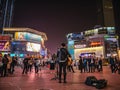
{"x":111,"y":30}
{"x":89,"y":33}
{"x":79,"y":46}
{"x":25,"y":36}
{"x":75,"y":36}
{"x":33,"y":47}
{"x":4,"y":46}
{"x":102,"y":31}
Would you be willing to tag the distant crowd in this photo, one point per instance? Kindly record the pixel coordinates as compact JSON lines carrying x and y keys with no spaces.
{"x":88,"y":64}
{"x":92,"y":64}
{"x":7,"y":64}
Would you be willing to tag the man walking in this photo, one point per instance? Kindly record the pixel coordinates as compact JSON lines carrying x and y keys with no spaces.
{"x":62,"y":55}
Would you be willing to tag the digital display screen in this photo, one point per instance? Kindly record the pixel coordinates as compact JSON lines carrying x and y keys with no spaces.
{"x":4,"y":46}
{"x":25,"y":36}
{"x":33,"y":47}
{"x":75,"y":36}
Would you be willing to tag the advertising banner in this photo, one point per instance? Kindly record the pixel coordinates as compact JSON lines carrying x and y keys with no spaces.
{"x":4,"y":46}
{"x":25,"y":36}
{"x":33,"y":47}
{"x":75,"y":36}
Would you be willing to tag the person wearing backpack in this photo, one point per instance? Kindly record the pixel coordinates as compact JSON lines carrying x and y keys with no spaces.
{"x":62,"y":55}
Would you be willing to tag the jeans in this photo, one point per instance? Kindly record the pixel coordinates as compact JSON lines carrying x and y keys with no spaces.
{"x":62,"y":67}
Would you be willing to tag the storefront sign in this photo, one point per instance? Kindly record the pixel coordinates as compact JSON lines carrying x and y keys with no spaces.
{"x":95,"y":43}
{"x":112,"y":39}
{"x":102,"y":31}
{"x":79,"y":46}
{"x":89,"y":33}
{"x":98,"y":51}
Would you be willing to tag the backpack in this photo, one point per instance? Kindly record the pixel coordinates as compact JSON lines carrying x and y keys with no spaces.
{"x":63,"y":54}
{"x":92,"y":81}
{"x":100,"y":84}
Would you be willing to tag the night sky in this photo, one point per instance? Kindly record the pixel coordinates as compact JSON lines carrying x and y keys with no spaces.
{"x":55,"y":18}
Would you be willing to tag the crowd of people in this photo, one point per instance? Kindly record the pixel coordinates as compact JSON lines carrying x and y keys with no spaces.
{"x":62,"y":59}
{"x":29,"y":62}
{"x":7,"y":64}
{"x":90,"y":64}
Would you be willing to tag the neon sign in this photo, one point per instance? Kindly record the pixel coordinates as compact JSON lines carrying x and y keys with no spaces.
{"x":95,"y":43}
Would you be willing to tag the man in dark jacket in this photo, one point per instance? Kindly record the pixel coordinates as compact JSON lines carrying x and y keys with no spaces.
{"x":25,"y":62}
{"x":62,"y":55}
{"x":5,"y":62}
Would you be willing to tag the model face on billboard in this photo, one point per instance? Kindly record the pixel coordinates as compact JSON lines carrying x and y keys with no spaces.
{"x":33,"y":47}
{"x":25,"y":36}
{"x":21,"y":36}
{"x":4,"y":46}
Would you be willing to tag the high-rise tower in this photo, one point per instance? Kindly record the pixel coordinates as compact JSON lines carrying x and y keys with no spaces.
{"x":116,"y":7}
{"x":105,"y":13}
{"x":6,"y":13}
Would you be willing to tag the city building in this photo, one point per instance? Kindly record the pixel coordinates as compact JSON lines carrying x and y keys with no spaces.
{"x":100,"y":41}
{"x":116,"y":8}
{"x":22,"y":41}
{"x":6,"y":13}
{"x":105,"y":13}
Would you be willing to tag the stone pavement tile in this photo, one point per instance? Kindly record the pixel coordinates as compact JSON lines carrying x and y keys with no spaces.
{"x":8,"y":86}
{"x":42,"y":81}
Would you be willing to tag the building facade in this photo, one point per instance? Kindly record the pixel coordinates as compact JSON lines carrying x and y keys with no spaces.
{"x":101,"y":41}
{"x":22,"y":41}
{"x":116,"y":7}
{"x":105,"y":13}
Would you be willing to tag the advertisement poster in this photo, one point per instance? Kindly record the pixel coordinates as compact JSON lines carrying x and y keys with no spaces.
{"x":25,"y":36}
{"x":4,"y":46}
{"x":33,"y":47}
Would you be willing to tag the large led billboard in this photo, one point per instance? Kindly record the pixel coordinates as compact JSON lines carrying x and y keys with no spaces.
{"x":25,"y":36}
{"x":33,"y":47}
{"x":4,"y":46}
{"x":75,"y":36}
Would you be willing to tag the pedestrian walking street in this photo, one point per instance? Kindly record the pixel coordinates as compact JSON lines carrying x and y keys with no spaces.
{"x":45,"y":80}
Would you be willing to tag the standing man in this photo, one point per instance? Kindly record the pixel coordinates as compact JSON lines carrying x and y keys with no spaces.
{"x":1,"y":64}
{"x":62,"y":55}
{"x":5,"y":62}
{"x":25,"y":62}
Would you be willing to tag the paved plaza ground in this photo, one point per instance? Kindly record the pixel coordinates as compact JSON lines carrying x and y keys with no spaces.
{"x":42,"y":80}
